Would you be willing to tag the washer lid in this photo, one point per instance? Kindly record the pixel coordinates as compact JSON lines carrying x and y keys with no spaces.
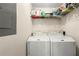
{"x":62,"y":39}
{"x":38,"y":38}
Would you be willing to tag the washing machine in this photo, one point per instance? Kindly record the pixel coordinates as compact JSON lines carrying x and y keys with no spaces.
{"x":63,"y":46}
{"x":50,"y":44}
{"x":38,"y":46}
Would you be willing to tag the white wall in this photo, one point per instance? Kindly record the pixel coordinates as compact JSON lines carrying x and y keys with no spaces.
{"x":47,"y":25}
{"x":15,"y":45}
{"x":71,"y":26}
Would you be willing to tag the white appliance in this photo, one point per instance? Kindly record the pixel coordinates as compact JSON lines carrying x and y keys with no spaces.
{"x":63,"y":46}
{"x":50,"y":44}
{"x":38,"y":46}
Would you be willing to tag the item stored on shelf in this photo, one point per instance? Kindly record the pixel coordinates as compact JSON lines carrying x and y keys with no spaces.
{"x":43,"y":14}
{"x":32,"y":12}
{"x":37,"y":12}
{"x":62,"y":7}
{"x":69,"y":7}
{"x":76,"y":5}
{"x":56,"y":13}
{"x":67,"y":10}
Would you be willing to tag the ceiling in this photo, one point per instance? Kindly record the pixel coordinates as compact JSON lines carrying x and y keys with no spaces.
{"x":51,"y":5}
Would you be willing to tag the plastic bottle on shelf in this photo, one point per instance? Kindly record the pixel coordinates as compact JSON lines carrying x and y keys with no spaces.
{"x":37,"y":12}
{"x":43,"y":14}
{"x":32,"y":12}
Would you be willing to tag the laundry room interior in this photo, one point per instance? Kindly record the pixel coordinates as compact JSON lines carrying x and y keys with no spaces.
{"x":48,"y":21}
{"x":39,"y":29}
